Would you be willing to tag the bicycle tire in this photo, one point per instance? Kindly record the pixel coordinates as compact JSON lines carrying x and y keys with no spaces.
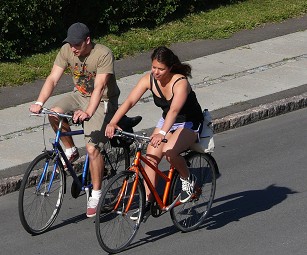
{"x":116,"y":159}
{"x":114,"y":228}
{"x":38,"y":209}
{"x":190,"y":215}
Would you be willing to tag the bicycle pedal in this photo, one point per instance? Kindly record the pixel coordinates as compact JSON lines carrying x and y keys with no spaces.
{"x":155,"y":210}
{"x":79,"y":160}
{"x":109,"y":173}
{"x":75,"y":190}
{"x":146,"y":216}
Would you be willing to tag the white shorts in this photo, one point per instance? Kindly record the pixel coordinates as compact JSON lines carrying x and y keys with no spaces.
{"x":189,"y":125}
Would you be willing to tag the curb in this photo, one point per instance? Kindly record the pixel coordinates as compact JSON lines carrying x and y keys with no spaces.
{"x":243,"y":118}
{"x":261,"y":112}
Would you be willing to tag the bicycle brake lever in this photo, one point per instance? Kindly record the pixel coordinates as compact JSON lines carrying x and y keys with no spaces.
{"x":78,"y":122}
{"x":118,"y":132}
{"x":36,"y":114}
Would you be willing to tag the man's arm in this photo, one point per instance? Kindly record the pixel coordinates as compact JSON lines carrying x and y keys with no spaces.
{"x":47,"y":88}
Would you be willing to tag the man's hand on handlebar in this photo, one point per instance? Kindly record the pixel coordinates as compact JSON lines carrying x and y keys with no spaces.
{"x":35,"y":108}
{"x":80,"y":116}
{"x":110,"y":130}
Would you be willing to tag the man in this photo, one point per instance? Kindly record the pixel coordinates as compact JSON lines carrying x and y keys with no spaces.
{"x":94,"y":99}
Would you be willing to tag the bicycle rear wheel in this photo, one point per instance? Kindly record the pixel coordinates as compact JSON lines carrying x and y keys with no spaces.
{"x":114,"y":228}
{"x":116,"y":159}
{"x":38,"y":205}
{"x":188,"y":216}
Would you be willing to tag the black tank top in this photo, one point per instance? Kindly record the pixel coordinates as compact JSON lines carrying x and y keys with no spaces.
{"x":191,"y":110}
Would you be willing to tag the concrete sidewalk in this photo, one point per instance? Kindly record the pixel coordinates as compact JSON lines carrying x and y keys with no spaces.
{"x":239,"y":86}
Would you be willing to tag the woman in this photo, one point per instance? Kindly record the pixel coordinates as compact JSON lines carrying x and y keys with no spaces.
{"x":181,"y":118}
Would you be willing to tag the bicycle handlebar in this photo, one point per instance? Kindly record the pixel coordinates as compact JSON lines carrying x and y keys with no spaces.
{"x":147,"y":139}
{"x":49,"y":112}
{"x":62,"y":115}
{"x":121,"y":133}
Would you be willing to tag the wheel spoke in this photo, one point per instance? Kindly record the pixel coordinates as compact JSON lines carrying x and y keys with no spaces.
{"x":190,"y":215}
{"x":114,"y":229}
{"x":38,"y":209}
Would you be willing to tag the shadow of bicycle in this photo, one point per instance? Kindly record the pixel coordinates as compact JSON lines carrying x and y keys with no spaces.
{"x":72,"y":220}
{"x":230,"y":208}
{"x":243,"y":204}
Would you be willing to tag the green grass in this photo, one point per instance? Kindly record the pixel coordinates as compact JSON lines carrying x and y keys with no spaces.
{"x":213,"y":24}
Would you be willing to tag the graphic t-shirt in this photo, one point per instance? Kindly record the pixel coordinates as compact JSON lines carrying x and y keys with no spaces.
{"x":84,"y":69}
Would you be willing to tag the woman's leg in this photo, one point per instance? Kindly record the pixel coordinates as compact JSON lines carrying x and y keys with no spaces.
{"x":178,"y":142}
{"x":154,"y":155}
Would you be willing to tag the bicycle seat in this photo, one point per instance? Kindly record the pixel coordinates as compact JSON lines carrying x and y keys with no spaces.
{"x":127,"y":123}
{"x":133,"y":121}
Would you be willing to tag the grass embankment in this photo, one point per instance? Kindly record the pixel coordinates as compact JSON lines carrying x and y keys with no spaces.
{"x":217,"y":23}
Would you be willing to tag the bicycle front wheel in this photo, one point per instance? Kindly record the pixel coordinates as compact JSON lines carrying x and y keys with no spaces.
{"x":40,"y":196}
{"x":116,"y":159}
{"x":188,"y":216}
{"x":115,"y":228}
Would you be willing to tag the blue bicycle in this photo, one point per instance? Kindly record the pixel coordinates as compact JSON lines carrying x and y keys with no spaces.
{"x":44,"y":183}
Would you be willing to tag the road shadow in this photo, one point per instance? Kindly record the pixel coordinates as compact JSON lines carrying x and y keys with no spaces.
{"x":152,"y":236}
{"x":72,"y":220}
{"x":240,"y":205}
{"x":230,"y":208}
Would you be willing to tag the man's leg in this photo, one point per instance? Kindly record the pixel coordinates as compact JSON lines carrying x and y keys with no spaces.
{"x":95,"y":140}
{"x":71,"y":150}
{"x":54,"y":122}
{"x":96,"y":166}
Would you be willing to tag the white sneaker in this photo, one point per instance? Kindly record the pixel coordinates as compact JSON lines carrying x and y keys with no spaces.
{"x":91,"y":207}
{"x":147,"y":212}
{"x":71,"y":157}
{"x":187,"y":188}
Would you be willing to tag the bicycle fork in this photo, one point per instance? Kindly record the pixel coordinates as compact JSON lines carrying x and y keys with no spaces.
{"x":123,"y":195}
{"x":45,"y":176}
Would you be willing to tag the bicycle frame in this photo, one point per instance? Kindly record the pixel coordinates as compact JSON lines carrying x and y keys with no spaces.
{"x":45,"y":181}
{"x":138,"y":168}
{"x":57,"y":145}
{"x":57,"y":148}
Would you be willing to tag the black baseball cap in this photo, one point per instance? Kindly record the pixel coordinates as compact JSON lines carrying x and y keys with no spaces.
{"x":77,"y":33}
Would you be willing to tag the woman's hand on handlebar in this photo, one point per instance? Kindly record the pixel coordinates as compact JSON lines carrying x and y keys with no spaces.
{"x":110,"y":130}
{"x":156,"y":140}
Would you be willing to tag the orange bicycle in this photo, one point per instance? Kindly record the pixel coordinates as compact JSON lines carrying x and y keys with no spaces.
{"x":125,"y":195}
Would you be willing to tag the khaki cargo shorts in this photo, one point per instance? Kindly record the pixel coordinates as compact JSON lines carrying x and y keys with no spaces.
{"x":94,"y":129}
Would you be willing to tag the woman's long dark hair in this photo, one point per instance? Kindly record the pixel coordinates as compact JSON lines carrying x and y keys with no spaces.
{"x":167,"y":57}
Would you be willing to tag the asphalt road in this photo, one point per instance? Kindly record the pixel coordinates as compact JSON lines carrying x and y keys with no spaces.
{"x":259,"y":206}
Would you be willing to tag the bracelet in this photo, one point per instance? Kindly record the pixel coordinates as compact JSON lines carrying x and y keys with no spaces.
{"x":40,"y":103}
{"x":162,"y":132}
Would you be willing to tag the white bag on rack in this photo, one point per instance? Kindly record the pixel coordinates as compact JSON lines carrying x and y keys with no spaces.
{"x":206,"y":142}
